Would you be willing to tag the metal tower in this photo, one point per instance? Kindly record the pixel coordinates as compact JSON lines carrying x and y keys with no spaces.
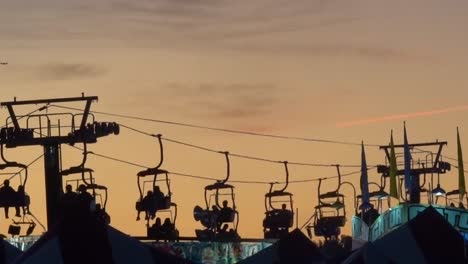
{"x":49,"y":131}
{"x":425,"y":160}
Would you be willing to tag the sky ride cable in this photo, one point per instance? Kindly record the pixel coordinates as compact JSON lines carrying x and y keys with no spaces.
{"x":220,"y":129}
{"x":214,"y":179}
{"x":236,"y":155}
{"x":27,"y":115}
{"x":14,"y":174}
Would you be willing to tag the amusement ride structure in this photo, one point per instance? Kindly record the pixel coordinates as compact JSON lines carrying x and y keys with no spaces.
{"x":50,"y":131}
{"x":408,"y":173}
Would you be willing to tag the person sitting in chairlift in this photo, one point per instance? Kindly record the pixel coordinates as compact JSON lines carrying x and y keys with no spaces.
{"x":101,"y":214}
{"x":156,"y":228}
{"x":223,"y":232}
{"x":149,"y":205}
{"x":7,"y":196}
{"x":214,"y":215}
{"x":69,"y":201}
{"x":225,"y":213}
{"x":370,"y":215}
{"x":166,"y":227}
{"x":22,"y":200}
{"x":85,"y":199}
{"x":158,"y":197}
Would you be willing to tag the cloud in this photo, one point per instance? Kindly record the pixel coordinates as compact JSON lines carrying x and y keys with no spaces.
{"x":261,"y":26}
{"x":68,"y":71}
{"x":402,"y":116}
{"x":225,"y":101}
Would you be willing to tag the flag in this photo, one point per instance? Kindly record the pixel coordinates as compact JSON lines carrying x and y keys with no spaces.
{"x":393,"y":169}
{"x":461,"y":170}
{"x":407,"y":156}
{"x":364,"y":177}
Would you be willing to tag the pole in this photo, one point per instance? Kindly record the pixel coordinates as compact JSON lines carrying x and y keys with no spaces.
{"x":53,"y":183}
{"x":415,"y":190}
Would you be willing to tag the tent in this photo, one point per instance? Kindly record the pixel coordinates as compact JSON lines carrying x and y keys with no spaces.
{"x":87,"y":240}
{"x":294,"y":248}
{"x":8,"y":252}
{"x":427,"y":238}
{"x":367,"y":254}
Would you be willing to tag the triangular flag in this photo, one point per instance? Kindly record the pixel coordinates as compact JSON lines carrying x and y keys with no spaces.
{"x":393,"y":169}
{"x":364,"y":177}
{"x":461,"y":170}
{"x":407,"y":157}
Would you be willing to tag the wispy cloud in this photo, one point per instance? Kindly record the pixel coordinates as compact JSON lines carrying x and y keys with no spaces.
{"x":402,"y":116}
{"x":225,"y":101}
{"x":67,"y":71}
{"x":260,"y":26}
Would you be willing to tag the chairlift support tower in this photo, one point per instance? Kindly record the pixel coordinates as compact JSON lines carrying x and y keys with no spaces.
{"x":17,"y":136}
{"x":437,"y":166}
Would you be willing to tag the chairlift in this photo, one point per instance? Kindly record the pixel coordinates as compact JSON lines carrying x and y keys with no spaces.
{"x":278,"y":220}
{"x":218,"y":214}
{"x":8,"y":196}
{"x":330,"y":212}
{"x":155,"y":199}
{"x":160,"y":230}
{"x":15,"y":227}
{"x":88,"y":179}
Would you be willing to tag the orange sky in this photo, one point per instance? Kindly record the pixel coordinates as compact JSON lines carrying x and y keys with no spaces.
{"x":295,"y":69}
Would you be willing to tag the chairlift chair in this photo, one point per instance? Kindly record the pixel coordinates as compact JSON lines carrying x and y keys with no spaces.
{"x":216,"y":214}
{"x":14,"y":200}
{"x":170,"y":233}
{"x":277,"y":221}
{"x":156,"y":201}
{"x":88,"y":179}
{"x":330,"y":212}
{"x":15,"y":227}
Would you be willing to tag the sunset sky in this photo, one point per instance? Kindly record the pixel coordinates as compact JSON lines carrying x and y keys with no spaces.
{"x":332,"y":70}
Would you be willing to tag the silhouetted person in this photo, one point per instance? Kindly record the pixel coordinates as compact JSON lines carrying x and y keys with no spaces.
{"x":223,"y":232}
{"x":149,"y":205}
{"x":69,"y":202}
{"x":461,"y":206}
{"x":84,"y":200}
{"x":156,"y":228}
{"x":225,"y":213}
{"x":157,"y":223}
{"x":22,"y":200}
{"x":166,"y":227}
{"x":101,"y":214}
{"x":452,"y":205}
{"x":158,"y":197}
{"x":232,"y":234}
{"x":214,"y":215}
{"x":7,"y":195}
{"x":370,"y":216}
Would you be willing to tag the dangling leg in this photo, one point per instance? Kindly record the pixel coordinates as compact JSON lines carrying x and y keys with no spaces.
{"x":17,"y":211}
{"x":6,"y":211}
